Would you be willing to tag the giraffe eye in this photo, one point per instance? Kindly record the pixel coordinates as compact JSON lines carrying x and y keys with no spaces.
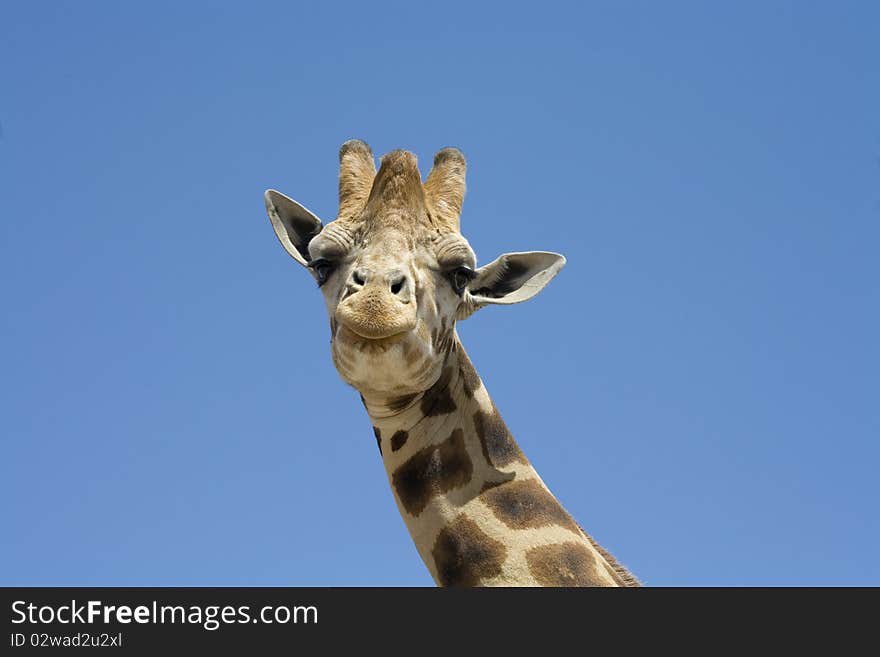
{"x":460,"y":278}
{"x":322,"y":268}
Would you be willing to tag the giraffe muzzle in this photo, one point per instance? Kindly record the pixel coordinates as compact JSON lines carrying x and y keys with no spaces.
{"x":378,"y":310}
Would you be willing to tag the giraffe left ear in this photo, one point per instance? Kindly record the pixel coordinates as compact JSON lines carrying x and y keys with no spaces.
{"x":513,"y":278}
{"x":294,"y":225}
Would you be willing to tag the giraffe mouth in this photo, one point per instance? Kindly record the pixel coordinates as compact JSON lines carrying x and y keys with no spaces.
{"x":357,"y":339}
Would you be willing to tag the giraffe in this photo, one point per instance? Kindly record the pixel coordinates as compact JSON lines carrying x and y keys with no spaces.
{"x":396,"y":275}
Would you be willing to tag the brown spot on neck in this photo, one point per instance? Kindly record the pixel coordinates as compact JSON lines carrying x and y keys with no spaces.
{"x":398,"y":440}
{"x":498,"y":445}
{"x":465,"y":555}
{"x":438,"y":400}
{"x":469,"y":377}
{"x":432,"y":471}
{"x":564,"y":564}
{"x":526,"y":505}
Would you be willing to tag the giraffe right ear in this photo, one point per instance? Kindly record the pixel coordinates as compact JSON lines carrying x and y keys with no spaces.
{"x":294,"y":225}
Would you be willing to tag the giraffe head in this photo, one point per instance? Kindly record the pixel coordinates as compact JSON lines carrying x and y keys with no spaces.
{"x":394,"y":269}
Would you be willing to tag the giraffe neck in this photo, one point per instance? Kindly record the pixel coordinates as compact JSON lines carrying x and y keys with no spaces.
{"x":477,"y":511}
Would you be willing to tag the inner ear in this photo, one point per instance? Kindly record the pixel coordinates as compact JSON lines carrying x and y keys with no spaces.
{"x":514,"y":277}
{"x":505,"y":279}
{"x":294,"y":224}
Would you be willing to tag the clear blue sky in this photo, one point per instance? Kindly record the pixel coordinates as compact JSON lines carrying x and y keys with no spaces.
{"x":700,"y":386}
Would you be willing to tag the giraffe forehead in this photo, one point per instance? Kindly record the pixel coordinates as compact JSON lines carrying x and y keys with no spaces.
{"x":429,"y":249}
{"x":391,"y":248}
{"x":390,"y":239}
{"x":389,"y":245}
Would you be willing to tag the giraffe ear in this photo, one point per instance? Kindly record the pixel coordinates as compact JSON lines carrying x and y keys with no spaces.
{"x":294,"y":224}
{"x":513,"y":277}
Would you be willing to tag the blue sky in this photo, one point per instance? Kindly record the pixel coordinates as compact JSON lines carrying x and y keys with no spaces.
{"x":699,"y":386}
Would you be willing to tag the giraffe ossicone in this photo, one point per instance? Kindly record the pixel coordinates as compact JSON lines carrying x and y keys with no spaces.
{"x":396,"y":275}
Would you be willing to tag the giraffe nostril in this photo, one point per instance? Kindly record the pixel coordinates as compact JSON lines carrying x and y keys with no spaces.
{"x":358,"y":278}
{"x":397,"y":285}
